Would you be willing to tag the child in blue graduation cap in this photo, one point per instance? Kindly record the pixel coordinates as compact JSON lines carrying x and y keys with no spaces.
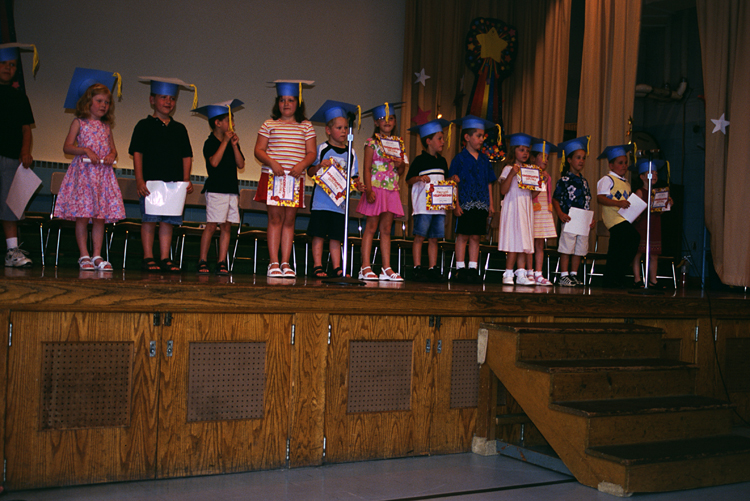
{"x":572,"y":190}
{"x":16,"y":120}
{"x":285,"y":146}
{"x":383,"y":166}
{"x":475,"y":174}
{"x":161,"y":151}
{"x":517,"y":215}
{"x":428,"y":168}
{"x":89,"y":189}
{"x":223,"y":157}
{"x":544,"y":223}
{"x":326,"y":217}
{"x":612,"y":192}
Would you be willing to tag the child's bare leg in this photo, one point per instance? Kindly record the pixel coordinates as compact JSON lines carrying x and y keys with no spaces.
{"x":474,"y":248}
{"x":275,"y":221}
{"x":371,"y":227}
{"x":575,"y":263}
{"x":82,"y":235}
{"x":148,"y":230}
{"x":334,"y":247}
{"x":653,"y":264}
{"x":97,"y":236}
{"x":461,"y":241}
{"x":521,"y":261}
{"x":538,"y":254}
{"x":510,"y":261}
{"x":224,"y":237}
{"x":287,"y":233}
{"x":386,"y":222}
{"x":416,"y":250}
{"x":317,"y":251}
{"x":432,"y":252}
{"x":165,"y":240}
{"x":637,"y":266}
{"x":206,"y":236}
{"x":564,"y":263}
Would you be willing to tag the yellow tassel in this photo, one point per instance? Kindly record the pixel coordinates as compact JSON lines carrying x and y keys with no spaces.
{"x":35,"y":64}
{"x":359,"y":117}
{"x":300,"y":93}
{"x":231,"y":120}
{"x":588,"y":143}
{"x":195,"y":96}
{"x":562,"y":161}
{"x":386,"y":111}
{"x":450,"y":126}
{"x":669,"y":174}
{"x":544,"y":153}
{"x":118,"y":81}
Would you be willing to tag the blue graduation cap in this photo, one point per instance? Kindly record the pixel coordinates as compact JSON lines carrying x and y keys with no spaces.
{"x":612,"y":152}
{"x":519,"y":139}
{"x":642,"y":165}
{"x":292,"y":87}
{"x":383,"y":110}
{"x":11,"y":51}
{"x":539,"y":145}
{"x":429,"y":128}
{"x":579,"y":143}
{"x":333,"y":109}
{"x":170,"y":87}
{"x":472,"y":122}
{"x":83,"y":78}
{"x":214,"y":110}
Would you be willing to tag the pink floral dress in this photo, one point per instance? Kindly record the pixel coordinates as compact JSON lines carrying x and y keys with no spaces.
{"x":384,"y":181}
{"x":90,"y":190}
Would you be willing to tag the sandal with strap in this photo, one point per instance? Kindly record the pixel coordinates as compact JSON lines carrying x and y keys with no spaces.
{"x":338,"y":272}
{"x":102,"y":265}
{"x":85,"y":264}
{"x":274,"y":270}
{"x":168,"y":266}
{"x":287,"y":271}
{"x":222,"y":269}
{"x":203,"y":268}
{"x":150,"y":264}
{"x":319,"y":272}
{"x":390,"y":277}
{"x":366,"y":273}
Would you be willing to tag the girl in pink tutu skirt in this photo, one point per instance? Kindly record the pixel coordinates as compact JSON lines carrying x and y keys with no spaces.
{"x":383,"y":165}
{"x":89,"y":190}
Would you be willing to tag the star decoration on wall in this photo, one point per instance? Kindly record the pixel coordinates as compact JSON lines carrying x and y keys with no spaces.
{"x":422,"y":116}
{"x":720,"y":125}
{"x":421,"y":77}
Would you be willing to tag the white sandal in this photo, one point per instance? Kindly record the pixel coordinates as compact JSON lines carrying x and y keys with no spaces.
{"x":367,"y":275}
{"x":287,"y":271}
{"x":85,"y":264}
{"x":540,"y":280}
{"x":103,"y":264}
{"x":274,"y":271}
{"x":390,"y":277}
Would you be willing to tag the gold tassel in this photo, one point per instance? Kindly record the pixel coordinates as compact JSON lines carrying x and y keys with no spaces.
{"x":450,"y":126}
{"x":669,"y":174}
{"x":195,"y":96}
{"x":300,"y":93}
{"x":118,"y":81}
{"x":35,"y":64}
{"x":588,"y":143}
{"x":562,"y":161}
{"x":386,"y":111}
{"x":359,"y":117}
{"x":231,"y":121}
{"x":544,"y":153}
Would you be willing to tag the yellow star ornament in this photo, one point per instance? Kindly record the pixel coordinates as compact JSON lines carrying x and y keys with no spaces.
{"x":492,"y":45}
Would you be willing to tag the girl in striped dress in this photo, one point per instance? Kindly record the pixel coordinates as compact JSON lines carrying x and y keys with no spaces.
{"x":544,"y":223}
{"x":285,"y":146}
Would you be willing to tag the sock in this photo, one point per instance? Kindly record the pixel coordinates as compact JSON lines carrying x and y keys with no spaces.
{"x":12,"y":243}
{"x":537,"y":274}
{"x":574,"y":273}
{"x":472,"y":265}
{"x":460,"y":265}
{"x":564,"y":274}
{"x":520,"y":272}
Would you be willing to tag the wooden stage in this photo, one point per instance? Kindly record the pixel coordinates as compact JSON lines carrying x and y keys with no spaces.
{"x":136,"y":376}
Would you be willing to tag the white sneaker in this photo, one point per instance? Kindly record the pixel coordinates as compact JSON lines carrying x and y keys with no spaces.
{"x":522,"y":279}
{"x":16,"y":258}
{"x":507,"y":279}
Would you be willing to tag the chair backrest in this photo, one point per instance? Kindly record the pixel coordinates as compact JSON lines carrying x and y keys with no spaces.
{"x":56,"y":183}
{"x":128,"y":188}
{"x":196,"y":198}
{"x":601,"y":231}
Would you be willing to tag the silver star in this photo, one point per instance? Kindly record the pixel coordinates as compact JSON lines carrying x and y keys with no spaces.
{"x":421,"y":77}
{"x":721,"y":125}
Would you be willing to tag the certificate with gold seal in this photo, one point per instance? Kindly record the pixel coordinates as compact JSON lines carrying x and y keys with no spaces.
{"x":332,"y":180}
{"x":283,"y":191}
{"x":530,"y":178}
{"x":393,"y":146}
{"x":441,"y":196}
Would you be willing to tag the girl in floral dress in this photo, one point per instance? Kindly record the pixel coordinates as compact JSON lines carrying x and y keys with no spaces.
{"x":383,"y":165}
{"x":89,"y":190}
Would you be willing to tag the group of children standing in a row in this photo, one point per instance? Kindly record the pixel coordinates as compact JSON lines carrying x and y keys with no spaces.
{"x":286,"y":146}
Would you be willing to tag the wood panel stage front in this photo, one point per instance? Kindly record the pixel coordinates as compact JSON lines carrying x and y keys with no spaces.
{"x":136,"y":376}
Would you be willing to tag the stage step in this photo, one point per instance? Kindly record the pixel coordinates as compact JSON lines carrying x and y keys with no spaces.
{"x":613,"y":409}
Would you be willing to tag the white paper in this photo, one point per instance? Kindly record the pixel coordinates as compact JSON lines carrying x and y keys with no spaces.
{"x":391,"y":147}
{"x":166,"y":199}
{"x":636,"y":207}
{"x":23,"y":187}
{"x":580,"y":221}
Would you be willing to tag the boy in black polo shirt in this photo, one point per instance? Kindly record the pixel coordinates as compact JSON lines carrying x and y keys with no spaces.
{"x":223,"y":157}
{"x":161,"y":152}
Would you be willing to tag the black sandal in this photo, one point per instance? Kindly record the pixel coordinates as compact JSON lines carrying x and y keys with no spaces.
{"x":319,"y":272}
{"x":150,"y":264}
{"x":338,"y":272}
{"x":203,"y":268}
{"x":221,"y":268}
{"x":167,"y":266}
